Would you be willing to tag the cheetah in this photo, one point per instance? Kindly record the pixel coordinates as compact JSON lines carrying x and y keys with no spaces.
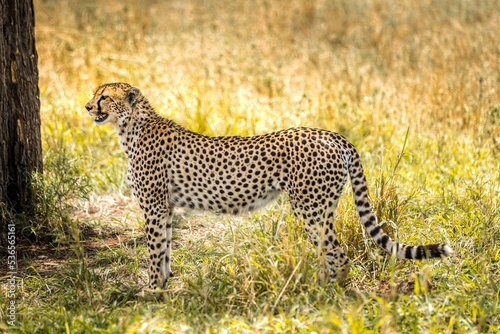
{"x":170,"y":166}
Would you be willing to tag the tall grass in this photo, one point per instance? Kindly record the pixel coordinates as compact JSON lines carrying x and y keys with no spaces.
{"x":414,"y":84}
{"x":369,"y":69}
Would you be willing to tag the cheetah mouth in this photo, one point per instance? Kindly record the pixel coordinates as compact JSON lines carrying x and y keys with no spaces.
{"x":100,"y":117}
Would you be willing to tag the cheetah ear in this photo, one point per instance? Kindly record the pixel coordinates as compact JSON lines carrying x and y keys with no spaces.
{"x":133,"y":94}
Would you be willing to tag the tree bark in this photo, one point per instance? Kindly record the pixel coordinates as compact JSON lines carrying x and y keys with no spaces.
{"x":20,"y":140}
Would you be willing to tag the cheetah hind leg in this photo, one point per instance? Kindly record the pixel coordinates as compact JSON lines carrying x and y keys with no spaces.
{"x":334,"y":262}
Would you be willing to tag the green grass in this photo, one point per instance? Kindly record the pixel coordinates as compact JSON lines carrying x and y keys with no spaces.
{"x":414,"y":85}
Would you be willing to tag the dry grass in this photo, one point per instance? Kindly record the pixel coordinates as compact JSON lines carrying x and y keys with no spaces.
{"x":376,"y":71}
{"x":368,"y":69}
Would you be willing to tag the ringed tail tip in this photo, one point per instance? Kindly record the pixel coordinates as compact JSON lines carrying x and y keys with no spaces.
{"x":447,"y":251}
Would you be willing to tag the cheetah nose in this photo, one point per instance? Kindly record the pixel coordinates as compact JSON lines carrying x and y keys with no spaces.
{"x":88,"y":107}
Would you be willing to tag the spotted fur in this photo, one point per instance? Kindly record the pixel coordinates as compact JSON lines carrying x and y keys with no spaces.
{"x":170,"y":166}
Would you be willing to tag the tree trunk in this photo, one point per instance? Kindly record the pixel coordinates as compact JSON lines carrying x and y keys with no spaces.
{"x":20,"y":141}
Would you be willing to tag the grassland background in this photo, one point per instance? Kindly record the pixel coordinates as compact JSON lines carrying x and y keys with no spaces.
{"x":371,"y":70}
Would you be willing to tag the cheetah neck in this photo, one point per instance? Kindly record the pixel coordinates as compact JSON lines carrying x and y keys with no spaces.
{"x":131,"y":128}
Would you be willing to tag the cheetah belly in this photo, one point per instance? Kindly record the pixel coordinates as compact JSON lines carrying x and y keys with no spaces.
{"x":221,"y":200}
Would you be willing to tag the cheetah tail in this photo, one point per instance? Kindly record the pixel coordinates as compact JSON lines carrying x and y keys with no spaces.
{"x":369,"y":220}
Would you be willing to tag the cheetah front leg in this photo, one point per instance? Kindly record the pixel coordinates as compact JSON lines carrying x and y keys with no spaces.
{"x":159,"y":241}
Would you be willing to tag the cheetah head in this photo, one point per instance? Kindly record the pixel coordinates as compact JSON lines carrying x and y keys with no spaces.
{"x":112,"y":103}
